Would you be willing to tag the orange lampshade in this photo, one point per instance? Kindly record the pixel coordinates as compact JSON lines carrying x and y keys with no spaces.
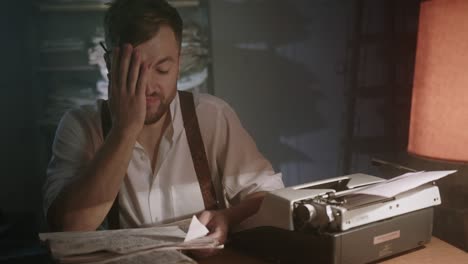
{"x":439,"y":114}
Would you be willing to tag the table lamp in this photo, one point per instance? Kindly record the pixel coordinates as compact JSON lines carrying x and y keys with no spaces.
{"x":439,"y":111}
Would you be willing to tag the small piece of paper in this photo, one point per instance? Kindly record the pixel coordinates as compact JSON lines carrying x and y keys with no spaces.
{"x":196,"y":230}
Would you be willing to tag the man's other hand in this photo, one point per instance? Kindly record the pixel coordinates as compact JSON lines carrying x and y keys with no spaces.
{"x":217,"y":223}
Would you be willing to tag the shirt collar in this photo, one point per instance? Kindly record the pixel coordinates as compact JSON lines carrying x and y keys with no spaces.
{"x":177,"y":124}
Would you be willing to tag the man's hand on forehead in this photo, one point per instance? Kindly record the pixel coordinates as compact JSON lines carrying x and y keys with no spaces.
{"x":128,"y":78}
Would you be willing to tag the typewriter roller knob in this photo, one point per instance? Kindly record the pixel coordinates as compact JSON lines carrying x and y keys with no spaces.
{"x":305,"y":213}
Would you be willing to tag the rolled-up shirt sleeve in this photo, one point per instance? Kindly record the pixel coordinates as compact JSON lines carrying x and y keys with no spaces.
{"x":244,"y":169}
{"x":71,"y":151}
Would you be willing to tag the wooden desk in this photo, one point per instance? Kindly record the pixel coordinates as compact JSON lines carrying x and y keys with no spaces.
{"x":436,"y":252}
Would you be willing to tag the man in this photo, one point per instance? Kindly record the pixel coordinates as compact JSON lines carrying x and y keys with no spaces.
{"x":144,"y":161}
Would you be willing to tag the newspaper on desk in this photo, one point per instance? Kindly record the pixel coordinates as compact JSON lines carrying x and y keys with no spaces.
{"x":140,"y":245}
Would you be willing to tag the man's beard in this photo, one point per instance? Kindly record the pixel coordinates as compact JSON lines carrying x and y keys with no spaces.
{"x":152,"y":118}
{"x":163,"y":108}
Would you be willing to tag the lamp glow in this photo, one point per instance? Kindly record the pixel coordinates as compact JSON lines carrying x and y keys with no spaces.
{"x":439,"y":114}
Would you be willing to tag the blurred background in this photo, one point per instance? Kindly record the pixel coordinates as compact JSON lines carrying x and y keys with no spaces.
{"x":323,"y":86}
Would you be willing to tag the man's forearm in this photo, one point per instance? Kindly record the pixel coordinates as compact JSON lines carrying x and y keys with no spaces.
{"x":84,"y":203}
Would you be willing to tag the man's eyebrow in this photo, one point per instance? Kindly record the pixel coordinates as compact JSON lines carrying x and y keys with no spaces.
{"x":161,"y":61}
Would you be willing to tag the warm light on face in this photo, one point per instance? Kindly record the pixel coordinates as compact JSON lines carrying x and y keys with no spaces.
{"x":439,"y":115}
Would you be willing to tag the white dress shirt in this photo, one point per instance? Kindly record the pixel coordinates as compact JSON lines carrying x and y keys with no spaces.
{"x":172,"y":191}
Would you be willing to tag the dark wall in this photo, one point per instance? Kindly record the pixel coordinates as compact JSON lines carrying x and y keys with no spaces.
{"x":19,"y":186}
{"x":320,"y":97}
{"x":280,"y":64}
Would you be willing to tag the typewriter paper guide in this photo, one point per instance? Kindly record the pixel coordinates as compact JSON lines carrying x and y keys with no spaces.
{"x":403,"y":183}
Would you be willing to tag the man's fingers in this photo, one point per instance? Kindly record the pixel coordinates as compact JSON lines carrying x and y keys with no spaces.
{"x":133,"y":72}
{"x":203,"y":253}
{"x":216,"y":234}
{"x":114,"y":69}
{"x":205,"y":217}
{"x":125,"y":58}
{"x":142,"y":79}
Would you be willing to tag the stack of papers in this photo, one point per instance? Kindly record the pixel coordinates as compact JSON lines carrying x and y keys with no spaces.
{"x":140,"y":245}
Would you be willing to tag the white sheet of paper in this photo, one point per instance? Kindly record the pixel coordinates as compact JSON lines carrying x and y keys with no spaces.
{"x":196,"y":230}
{"x":403,"y":183}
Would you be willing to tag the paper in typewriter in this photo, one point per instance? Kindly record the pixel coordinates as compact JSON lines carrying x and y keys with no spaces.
{"x":131,"y":245}
{"x":402,"y":183}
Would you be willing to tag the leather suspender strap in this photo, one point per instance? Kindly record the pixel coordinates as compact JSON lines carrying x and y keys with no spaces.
{"x":106,"y":123}
{"x":197,"y":149}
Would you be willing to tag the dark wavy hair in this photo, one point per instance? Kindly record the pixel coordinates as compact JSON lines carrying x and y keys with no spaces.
{"x":136,"y":21}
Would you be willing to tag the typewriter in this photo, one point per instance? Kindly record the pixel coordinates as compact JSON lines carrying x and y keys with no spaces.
{"x":328,"y":222}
